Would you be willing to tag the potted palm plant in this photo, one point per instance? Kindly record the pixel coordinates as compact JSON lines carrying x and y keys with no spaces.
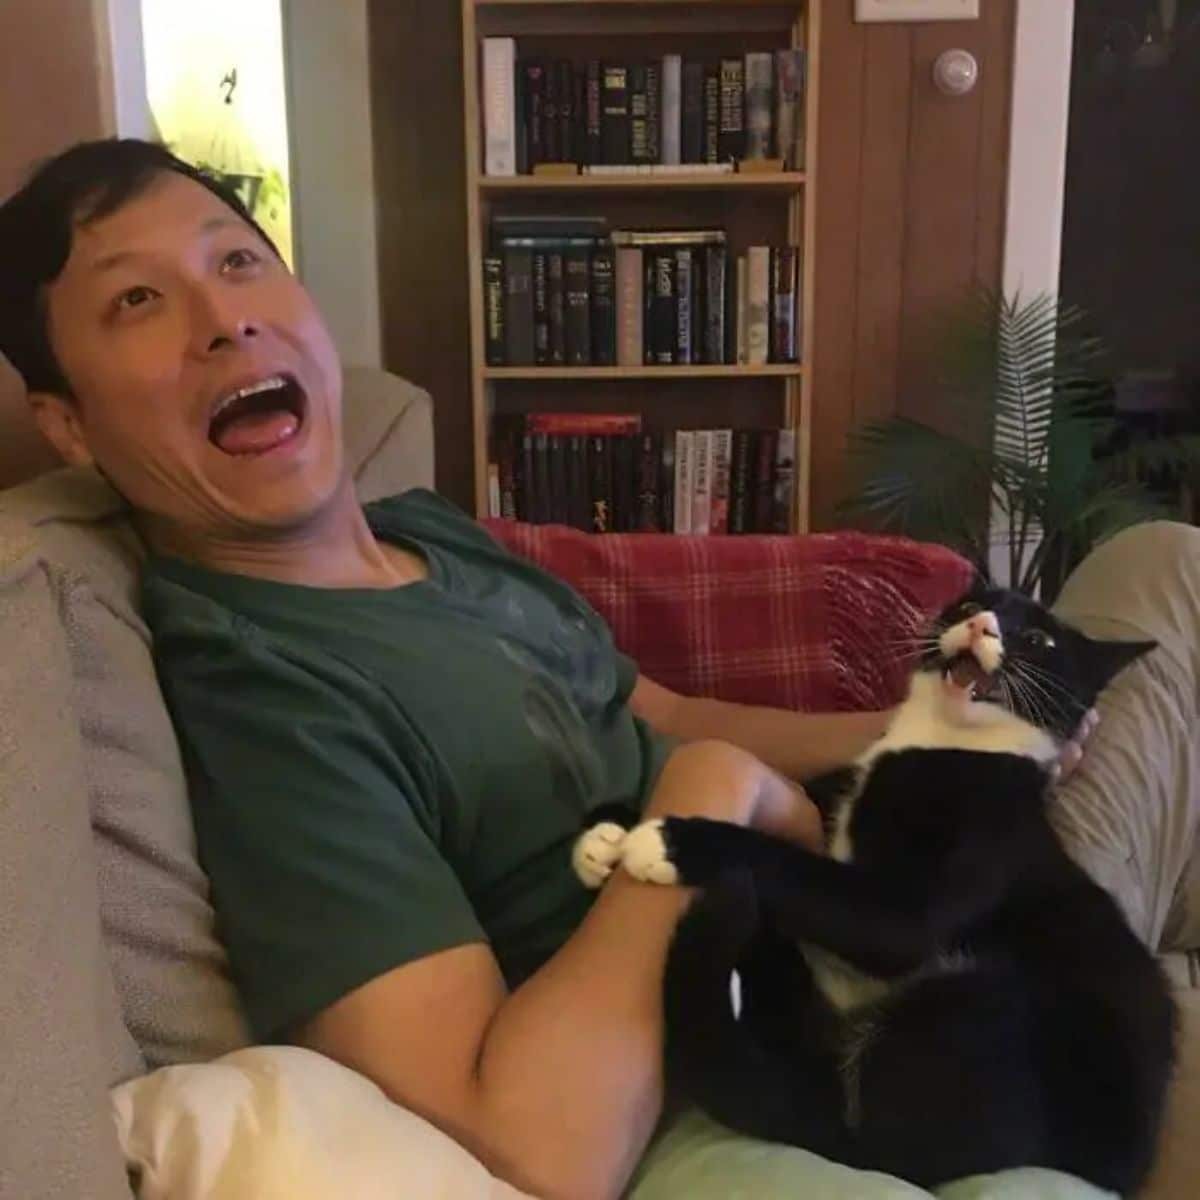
{"x":1036,"y":475}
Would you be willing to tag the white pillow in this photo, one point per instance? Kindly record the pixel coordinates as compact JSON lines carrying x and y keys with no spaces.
{"x":281,"y":1123}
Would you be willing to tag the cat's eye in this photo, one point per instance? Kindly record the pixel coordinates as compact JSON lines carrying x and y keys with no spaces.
{"x":1037,"y":639}
{"x":970,"y":609}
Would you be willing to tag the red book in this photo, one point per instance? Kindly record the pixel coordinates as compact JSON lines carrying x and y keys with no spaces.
{"x":585,"y":424}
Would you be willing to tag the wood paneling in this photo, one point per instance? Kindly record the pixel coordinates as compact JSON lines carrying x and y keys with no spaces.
{"x":910,"y":208}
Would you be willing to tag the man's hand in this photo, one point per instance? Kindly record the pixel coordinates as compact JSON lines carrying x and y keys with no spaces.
{"x":1072,"y":752}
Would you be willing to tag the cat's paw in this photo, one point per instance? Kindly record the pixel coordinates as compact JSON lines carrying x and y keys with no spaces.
{"x":596,"y":852}
{"x":646,"y":855}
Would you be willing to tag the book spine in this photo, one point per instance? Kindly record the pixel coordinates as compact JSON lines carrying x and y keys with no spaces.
{"x":527,"y":482}
{"x":696,"y":323}
{"x":684,"y":291}
{"x":714,"y":304}
{"x":758,"y":304}
{"x":741,"y":482}
{"x":663,"y":322}
{"x":765,"y":443}
{"x":648,"y":516}
{"x":653,"y":112}
{"x":560,"y":513}
{"x":579,"y":117}
{"x":692,"y":148}
{"x":783,"y":490}
{"x":604,"y":308}
{"x":685,"y":447}
{"x":630,"y":318}
{"x":508,"y":448}
{"x":556,"y":292}
{"x":672,"y":109}
{"x":760,"y":103}
{"x":518,"y":307}
{"x":639,"y":123}
{"x":732,"y":135}
{"x":722,"y":452}
{"x":666,"y":484}
{"x":712,"y":114}
{"x":551,"y":130}
{"x":589,"y":424}
{"x":741,"y":310}
{"x":593,"y":111}
{"x":784,"y":280}
{"x":493,"y":488}
{"x":493,"y":310}
{"x":702,"y":483}
{"x":578,"y":504}
{"x":566,"y":112}
{"x":543,"y":497}
{"x":499,"y":106}
{"x":614,"y":120}
{"x":790,"y":69}
{"x":541,"y":308}
{"x":624,"y":482}
{"x":534,"y":76}
{"x":600,"y":482}
{"x":578,"y":294}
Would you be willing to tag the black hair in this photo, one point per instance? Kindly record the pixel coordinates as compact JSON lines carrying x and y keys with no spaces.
{"x":89,"y":181}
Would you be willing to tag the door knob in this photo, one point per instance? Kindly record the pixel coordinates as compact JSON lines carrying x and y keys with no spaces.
{"x":955,"y":72}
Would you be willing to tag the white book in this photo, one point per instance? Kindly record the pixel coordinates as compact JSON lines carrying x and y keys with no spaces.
{"x":702,"y":482}
{"x":500,"y":106}
{"x":685,"y":447}
{"x":758,"y":305}
{"x":760,"y":79}
{"x":722,"y":462}
{"x":671,"y":109}
{"x":784,"y":496}
{"x":740,"y":314}
{"x":494,"y":490}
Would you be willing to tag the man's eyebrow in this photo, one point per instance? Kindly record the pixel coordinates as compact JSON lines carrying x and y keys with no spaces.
{"x":118,"y":257}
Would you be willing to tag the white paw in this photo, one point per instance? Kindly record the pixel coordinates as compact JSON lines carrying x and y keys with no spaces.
{"x":645,"y":855}
{"x":596,"y":852}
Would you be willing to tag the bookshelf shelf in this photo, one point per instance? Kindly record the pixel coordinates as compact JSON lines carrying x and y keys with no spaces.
{"x":782,"y":181}
{"x":715,"y":371}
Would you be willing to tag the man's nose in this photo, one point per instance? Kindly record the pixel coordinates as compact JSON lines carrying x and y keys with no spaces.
{"x":983,"y":625}
{"x":221,"y":322}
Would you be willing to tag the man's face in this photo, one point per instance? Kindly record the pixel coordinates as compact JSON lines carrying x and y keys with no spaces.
{"x":206,"y":385}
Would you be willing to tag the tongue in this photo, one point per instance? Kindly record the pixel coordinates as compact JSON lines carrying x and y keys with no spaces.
{"x":256,"y":433}
{"x":966,"y":673}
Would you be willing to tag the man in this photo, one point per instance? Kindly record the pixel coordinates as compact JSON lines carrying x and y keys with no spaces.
{"x":393,"y":729}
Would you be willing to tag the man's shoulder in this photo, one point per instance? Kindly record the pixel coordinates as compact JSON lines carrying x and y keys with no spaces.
{"x":426,"y":515}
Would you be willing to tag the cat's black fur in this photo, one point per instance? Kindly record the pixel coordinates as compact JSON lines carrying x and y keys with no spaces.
{"x":1028,"y":1025}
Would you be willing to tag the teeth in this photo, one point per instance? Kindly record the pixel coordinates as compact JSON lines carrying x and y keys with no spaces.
{"x":263,"y":385}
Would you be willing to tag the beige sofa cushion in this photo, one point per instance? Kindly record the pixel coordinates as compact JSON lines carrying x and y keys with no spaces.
{"x":170,"y":970}
{"x":61,"y":1033}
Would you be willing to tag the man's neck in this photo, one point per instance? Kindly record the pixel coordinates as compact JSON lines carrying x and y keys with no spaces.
{"x":337,"y":549}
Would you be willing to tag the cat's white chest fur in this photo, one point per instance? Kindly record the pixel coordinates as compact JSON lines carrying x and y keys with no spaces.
{"x":927,"y":720}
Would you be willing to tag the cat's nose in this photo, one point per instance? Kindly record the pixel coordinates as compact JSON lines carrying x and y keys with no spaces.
{"x":983,"y":625}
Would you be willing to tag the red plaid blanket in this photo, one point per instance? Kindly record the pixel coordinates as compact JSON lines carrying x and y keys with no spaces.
{"x":823,"y":622}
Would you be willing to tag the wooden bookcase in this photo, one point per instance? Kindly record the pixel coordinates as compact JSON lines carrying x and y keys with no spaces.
{"x":768,"y":208}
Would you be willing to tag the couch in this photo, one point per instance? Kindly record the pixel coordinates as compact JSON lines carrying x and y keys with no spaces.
{"x":115,"y":998}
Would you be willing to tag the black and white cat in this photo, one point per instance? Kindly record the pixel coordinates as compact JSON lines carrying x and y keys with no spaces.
{"x":945,"y":993}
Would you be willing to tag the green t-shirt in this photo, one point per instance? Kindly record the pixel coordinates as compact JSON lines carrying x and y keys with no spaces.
{"x":377,"y":775}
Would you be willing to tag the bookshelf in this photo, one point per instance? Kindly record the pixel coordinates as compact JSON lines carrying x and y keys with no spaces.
{"x":761,"y":207}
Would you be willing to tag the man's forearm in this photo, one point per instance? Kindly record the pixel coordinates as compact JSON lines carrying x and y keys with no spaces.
{"x":799,"y":745}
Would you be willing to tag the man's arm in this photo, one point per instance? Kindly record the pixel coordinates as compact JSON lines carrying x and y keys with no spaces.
{"x":798,"y":745}
{"x":556,"y":1087}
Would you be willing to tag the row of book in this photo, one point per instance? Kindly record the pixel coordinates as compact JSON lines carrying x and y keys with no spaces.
{"x":602,"y":473}
{"x":665,"y":111}
{"x":562,"y":291}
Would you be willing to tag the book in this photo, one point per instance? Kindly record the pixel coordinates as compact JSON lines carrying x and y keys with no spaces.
{"x":692,"y":120}
{"x":684,"y":288}
{"x":577,"y":267}
{"x":549,"y":227}
{"x":784,"y":288}
{"x":722,"y":453}
{"x":604,"y":307}
{"x":543,"y":497}
{"x":666,"y":484}
{"x":589,"y":424}
{"x":740,"y":309}
{"x":741,"y":495}
{"x":556,"y":292}
{"x":783,"y":491}
{"x":731,"y":138}
{"x":599,"y":458}
{"x":541,"y":308}
{"x":518,"y":306}
{"x":760,"y":103}
{"x":653,"y":111}
{"x":667,"y":237}
{"x":559,"y":513}
{"x":648,"y":509}
{"x":712,"y":113}
{"x":702,"y":482}
{"x":758,"y":304}
{"x":526,"y":480}
{"x":507,"y":435}
{"x":685,"y":447}
{"x":630,"y":317}
{"x":698,"y":168}
{"x":593,"y":144}
{"x":566,"y":112}
{"x":493,"y":310}
{"x":551,"y":131}
{"x":499,"y":106}
{"x":672,"y":110}
{"x":533,"y":75}
{"x":639,"y":123}
{"x":624,"y":482}
{"x":790,"y":69}
{"x":662,"y":307}
{"x":579,"y":509}
{"x":766,"y":442}
{"x":493,"y":488}
{"x":614,"y":115}
{"x":713,"y":316}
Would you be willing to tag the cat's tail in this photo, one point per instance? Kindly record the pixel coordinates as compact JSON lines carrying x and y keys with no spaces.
{"x":713,"y":1059}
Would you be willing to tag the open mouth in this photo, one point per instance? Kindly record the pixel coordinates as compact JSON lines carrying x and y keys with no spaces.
{"x":259,"y":417}
{"x":964,"y":675}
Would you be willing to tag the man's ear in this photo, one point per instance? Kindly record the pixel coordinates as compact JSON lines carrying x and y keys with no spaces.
{"x":58,"y":419}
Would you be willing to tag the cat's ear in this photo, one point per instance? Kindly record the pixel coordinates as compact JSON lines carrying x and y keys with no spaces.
{"x":1107,"y":659}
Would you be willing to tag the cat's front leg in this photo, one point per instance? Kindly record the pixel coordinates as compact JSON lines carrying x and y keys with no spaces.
{"x":598,"y":849}
{"x":695,"y":851}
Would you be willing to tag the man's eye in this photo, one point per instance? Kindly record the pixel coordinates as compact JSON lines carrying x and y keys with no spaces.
{"x":236,"y":260}
{"x":135,"y":297}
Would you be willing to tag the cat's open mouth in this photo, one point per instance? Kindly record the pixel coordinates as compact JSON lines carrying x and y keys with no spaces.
{"x":967,"y":677}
